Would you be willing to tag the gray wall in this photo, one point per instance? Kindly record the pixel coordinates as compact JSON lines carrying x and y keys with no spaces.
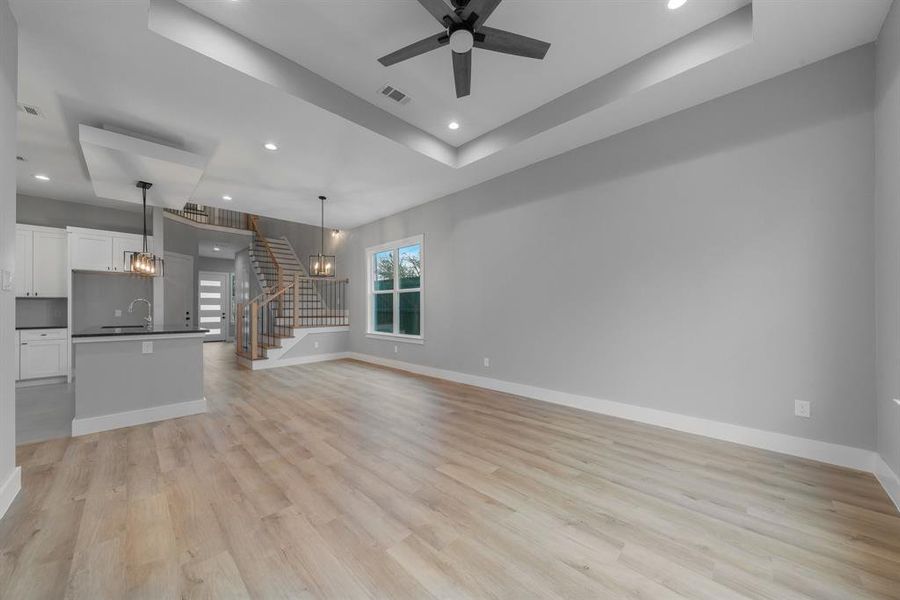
{"x":96,"y":297}
{"x":32,"y":210}
{"x":307,"y":240}
{"x":219,"y":265}
{"x":887,"y":127}
{"x":329,"y":343}
{"x":716,"y":263}
{"x":8,"y":112}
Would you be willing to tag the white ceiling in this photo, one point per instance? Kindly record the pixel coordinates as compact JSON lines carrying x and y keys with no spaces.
{"x":96,"y":63}
{"x":589,"y":39}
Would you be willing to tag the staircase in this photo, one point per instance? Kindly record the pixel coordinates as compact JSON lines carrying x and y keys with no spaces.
{"x":291,"y":304}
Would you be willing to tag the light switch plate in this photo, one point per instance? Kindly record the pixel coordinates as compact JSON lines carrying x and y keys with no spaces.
{"x":146,"y":347}
{"x":118,"y":312}
{"x":7,"y":280}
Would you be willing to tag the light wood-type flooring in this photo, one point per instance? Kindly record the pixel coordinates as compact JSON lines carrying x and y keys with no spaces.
{"x":344,"y":480}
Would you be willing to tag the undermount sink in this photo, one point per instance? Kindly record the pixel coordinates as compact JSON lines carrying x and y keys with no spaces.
{"x":123,"y":327}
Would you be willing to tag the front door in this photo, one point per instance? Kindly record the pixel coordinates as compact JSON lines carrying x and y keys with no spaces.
{"x":214,"y":297}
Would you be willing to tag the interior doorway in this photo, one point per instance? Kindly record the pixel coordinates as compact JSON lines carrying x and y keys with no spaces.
{"x":178,"y":291}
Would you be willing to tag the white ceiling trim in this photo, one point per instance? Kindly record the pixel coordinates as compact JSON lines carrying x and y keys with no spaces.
{"x":722,"y":37}
{"x":201,"y":34}
{"x":116,"y":162}
{"x":184,"y":26}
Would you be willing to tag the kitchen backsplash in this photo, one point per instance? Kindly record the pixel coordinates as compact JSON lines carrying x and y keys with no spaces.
{"x":41,"y":312}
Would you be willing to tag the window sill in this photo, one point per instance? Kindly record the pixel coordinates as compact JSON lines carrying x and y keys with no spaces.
{"x":406,"y":339}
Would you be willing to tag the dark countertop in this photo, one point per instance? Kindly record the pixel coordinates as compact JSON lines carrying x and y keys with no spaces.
{"x":123,"y":331}
{"x":41,"y":327}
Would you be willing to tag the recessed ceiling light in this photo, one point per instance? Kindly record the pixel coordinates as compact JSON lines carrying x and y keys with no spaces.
{"x":216,"y":248}
{"x":227,"y":198}
{"x":271,"y":146}
{"x":42,"y":177}
{"x":453,"y":125}
{"x":673,"y":4}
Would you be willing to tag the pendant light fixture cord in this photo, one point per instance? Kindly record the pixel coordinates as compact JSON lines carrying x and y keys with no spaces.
{"x":144,"y":192}
{"x":322,"y":252}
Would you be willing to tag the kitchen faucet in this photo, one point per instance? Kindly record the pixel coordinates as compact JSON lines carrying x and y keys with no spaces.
{"x":148,"y":320}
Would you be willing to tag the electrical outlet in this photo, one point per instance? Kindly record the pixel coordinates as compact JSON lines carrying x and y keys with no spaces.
{"x":802,"y":408}
{"x":396,"y":349}
{"x":315,"y":344}
{"x":146,"y":347}
{"x":487,"y":362}
{"x":118,"y":312}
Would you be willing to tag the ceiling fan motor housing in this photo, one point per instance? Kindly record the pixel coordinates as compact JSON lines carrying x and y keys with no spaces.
{"x":461,"y":40}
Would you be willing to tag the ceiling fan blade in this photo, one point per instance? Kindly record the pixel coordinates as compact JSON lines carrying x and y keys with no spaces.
{"x":462,"y":73}
{"x":440,"y":11}
{"x":497,"y":40}
{"x":482,"y":9}
{"x":415,"y":49}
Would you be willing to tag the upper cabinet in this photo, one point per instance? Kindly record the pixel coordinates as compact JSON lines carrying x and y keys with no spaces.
{"x":41,"y":262}
{"x":93,"y":250}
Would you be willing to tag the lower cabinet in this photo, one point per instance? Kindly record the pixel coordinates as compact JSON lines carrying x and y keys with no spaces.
{"x":43,"y":353}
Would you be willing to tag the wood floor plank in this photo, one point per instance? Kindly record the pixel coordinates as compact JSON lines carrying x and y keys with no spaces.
{"x":345,"y":480}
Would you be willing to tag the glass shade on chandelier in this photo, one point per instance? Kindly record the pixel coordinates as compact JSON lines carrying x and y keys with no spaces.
{"x":144,"y":262}
{"x":321,"y":265}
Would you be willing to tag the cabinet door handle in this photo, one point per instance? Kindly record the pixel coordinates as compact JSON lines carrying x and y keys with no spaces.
{"x":24,"y":344}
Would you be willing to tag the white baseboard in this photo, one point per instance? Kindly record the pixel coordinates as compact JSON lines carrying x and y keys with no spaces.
{"x":9,"y":489}
{"x":835,"y":454}
{"x":272,"y":363}
{"x":137,"y":417}
{"x":888,"y":479}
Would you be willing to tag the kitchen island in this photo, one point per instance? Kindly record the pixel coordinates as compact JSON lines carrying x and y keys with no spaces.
{"x":127,"y":376}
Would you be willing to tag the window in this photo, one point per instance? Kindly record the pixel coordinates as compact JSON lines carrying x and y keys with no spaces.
{"x":396,"y":289}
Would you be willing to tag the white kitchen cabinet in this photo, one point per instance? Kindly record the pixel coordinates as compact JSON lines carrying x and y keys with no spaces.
{"x":123,"y":243}
{"x":24,"y":262}
{"x":43,"y":353}
{"x":41,"y":262}
{"x":18,"y":340}
{"x":94,"y":250}
{"x":50,"y":265}
{"x":91,"y":251}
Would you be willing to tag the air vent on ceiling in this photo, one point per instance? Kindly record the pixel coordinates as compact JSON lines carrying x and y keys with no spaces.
{"x":395,"y":94}
{"x":30,"y":110}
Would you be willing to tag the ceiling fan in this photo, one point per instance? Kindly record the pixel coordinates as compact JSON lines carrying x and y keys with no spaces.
{"x":465,"y":29}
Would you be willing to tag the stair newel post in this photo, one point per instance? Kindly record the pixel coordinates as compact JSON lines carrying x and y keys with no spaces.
{"x":295,"y":303}
{"x":239,"y":334}
{"x":254,"y":325}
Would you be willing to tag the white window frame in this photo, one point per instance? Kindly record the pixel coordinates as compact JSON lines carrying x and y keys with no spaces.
{"x":395,"y":291}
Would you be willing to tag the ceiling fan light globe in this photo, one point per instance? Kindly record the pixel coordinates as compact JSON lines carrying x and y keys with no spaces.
{"x":461,"y":41}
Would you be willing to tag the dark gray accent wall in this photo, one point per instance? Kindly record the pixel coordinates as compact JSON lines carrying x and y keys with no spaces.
{"x":887,"y":127}
{"x":715,"y":263}
{"x":8,"y":112}
{"x":46,"y":212}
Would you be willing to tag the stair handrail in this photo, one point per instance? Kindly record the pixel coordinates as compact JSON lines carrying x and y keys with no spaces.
{"x":254,"y":227}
